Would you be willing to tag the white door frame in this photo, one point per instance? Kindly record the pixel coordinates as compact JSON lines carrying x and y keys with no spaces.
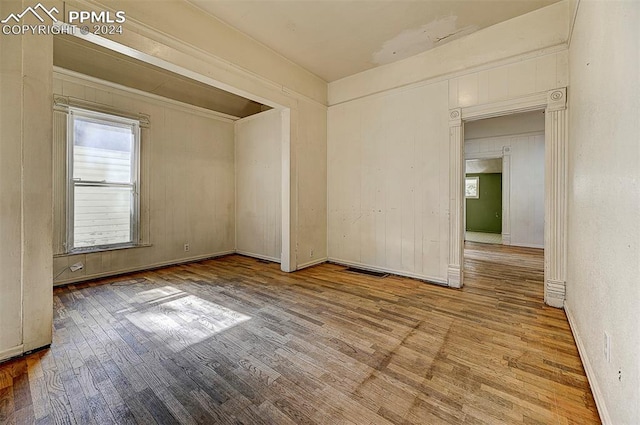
{"x":554,"y":102}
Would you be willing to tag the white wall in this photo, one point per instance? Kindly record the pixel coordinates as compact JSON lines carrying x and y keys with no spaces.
{"x":603,"y":290}
{"x":187,"y":178}
{"x":25,"y":190}
{"x":388,"y":182}
{"x":388,"y":138}
{"x":525,"y":182}
{"x":527,"y":122}
{"x":311,"y":185}
{"x":258,"y":144}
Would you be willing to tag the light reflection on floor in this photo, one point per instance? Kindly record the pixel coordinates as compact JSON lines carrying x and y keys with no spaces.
{"x":180,"y":319}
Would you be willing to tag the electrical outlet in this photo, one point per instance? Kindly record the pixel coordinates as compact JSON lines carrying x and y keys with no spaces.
{"x":311,"y":253}
{"x":186,"y":247}
{"x":75,"y":267}
{"x":607,"y":347}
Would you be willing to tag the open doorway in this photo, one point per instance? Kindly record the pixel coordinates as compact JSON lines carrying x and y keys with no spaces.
{"x":181,"y":203}
{"x":507,"y":154}
{"x":483,"y":200}
{"x":554,"y":104}
{"x":504,"y":203}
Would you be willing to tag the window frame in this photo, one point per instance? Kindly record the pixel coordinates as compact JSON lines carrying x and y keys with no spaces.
{"x":477,"y":195}
{"x":102,"y":117}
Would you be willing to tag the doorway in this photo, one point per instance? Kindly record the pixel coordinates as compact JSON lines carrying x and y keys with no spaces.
{"x":201,"y":86}
{"x":504,"y":195}
{"x":483,"y":200}
{"x":555,"y":137}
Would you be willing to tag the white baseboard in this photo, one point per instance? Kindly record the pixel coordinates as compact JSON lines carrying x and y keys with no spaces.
{"x":113,"y":273}
{"x":436,"y":280}
{"x":454,"y":276}
{"x":525,"y":245}
{"x":591,"y":377}
{"x":259,"y":256}
{"x":312,"y":263}
{"x":11,"y":352}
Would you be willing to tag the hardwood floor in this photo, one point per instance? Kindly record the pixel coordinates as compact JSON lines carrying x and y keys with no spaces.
{"x":234,"y":340}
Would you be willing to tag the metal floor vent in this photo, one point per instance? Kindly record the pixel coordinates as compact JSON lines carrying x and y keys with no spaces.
{"x":367,"y":272}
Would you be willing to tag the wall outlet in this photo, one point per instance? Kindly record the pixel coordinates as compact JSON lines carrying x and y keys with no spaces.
{"x":186,"y":247}
{"x":311,"y":253}
{"x":607,"y":347}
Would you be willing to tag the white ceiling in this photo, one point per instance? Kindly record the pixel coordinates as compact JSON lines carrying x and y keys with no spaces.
{"x":337,"y":38}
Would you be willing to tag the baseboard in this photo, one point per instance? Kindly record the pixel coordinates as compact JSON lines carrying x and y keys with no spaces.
{"x":11,"y":352}
{"x":454,"y":276}
{"x":144,"y":268}
{"x":524,"y":245}
{"x":591,"y":377}
{"x":312,"y":263}
{"x":259,"y":256}
{"x":430,"y":279}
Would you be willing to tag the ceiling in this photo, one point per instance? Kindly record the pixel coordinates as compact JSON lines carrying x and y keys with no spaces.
{"x":90,"y":59}
{"x":337,"y":38}
{"x":481,"y":166}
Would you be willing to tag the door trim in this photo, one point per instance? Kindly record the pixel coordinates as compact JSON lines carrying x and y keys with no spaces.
{"x":554,"y":102}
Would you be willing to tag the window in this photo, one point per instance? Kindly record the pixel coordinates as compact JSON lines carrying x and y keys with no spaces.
{"x":103,"y":157}
{"x":472,"y":187}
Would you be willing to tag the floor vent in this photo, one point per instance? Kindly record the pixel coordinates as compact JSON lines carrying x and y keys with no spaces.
{"x":367,"y":272}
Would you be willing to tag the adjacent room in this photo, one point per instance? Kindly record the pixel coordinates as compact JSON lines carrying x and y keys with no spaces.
{"x":289,"y":212}
{"x":505,"y":199}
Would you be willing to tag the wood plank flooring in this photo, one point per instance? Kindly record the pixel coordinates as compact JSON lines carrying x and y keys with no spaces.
{"x":235,"y":341}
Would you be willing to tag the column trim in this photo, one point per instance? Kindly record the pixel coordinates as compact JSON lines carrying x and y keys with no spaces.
{"x":456,"y":199}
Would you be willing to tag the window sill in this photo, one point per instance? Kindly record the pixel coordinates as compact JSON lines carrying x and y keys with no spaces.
{"x":82,"y":251}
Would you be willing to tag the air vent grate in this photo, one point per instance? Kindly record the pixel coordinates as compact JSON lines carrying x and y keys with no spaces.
{"x":366,"y":272}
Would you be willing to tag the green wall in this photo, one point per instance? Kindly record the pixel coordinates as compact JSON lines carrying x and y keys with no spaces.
{"x":485,"y":213}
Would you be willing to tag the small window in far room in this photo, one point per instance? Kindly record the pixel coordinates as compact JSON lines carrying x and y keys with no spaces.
{"x":472,"y":187}
{"x":103,"y":156}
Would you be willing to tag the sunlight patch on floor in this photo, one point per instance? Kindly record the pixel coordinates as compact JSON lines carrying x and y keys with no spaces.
{"x":483,"y":237}
{"x":185,"y":321}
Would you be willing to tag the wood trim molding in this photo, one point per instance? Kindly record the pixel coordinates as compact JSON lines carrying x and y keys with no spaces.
{"x":312,"y":263}
{"x":517,"y":105}
{"x":11,"y":352}
{"x":64,"y":103}
{"x":554,"y":102}
{"x":591,"y":376}
{"x":555,"y":199}
{"x":147,"y":267}
{"x":425,"y":278}
{"x":505,"y":137}
{"x":506,"y":195}
{"x":456,"y":199}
